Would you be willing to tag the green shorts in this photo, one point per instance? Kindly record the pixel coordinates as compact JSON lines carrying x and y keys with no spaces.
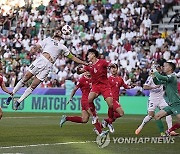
{"x":173,"y":109}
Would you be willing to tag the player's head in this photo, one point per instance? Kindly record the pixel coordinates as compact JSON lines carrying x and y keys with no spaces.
{"x":58,"y":33}
{"x":114,"y":69}
{"x":169,"y":67}
{"x":92,"y":53}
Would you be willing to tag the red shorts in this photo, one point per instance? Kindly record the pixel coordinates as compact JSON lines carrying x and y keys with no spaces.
{"x":116,"y":105}
{"x":103,"y":89}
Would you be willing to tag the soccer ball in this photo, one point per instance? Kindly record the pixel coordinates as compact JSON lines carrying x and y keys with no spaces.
{"x":66,"y":30}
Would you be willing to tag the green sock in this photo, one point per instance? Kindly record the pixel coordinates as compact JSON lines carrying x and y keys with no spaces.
{"x":160,"y":125}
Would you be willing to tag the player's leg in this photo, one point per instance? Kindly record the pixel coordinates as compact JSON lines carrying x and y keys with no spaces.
{"x":77,"y":119}
{"x":145,"y":121}
{"x":20,"y":84}
{"x":27,"y":92}
{"x":1,"y":113}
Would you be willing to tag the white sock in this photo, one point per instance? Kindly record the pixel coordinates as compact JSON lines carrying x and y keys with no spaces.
{"x":27,"y":92}
{"x":18,"y":86}
{"x":146,"y":120}
{"x":169,"y":121}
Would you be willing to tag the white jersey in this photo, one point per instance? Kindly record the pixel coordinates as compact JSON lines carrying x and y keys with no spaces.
{"x":54,"y":48}
{"x":156,"y":93}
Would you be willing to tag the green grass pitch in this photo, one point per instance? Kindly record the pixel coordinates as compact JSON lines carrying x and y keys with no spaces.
{"x":42,"y":132}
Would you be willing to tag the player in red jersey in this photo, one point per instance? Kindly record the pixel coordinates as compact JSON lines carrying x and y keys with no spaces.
{"x":115,"y":82}
{"x":100,"y":83}
{"x":3,"y":87}
{"x":87,"y":108}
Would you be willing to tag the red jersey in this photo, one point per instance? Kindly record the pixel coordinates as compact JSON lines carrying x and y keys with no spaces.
{"x":116,"y":83}
{"x":98,"y":71}
{"x":1,"y":79}
{"x":84,"y":84}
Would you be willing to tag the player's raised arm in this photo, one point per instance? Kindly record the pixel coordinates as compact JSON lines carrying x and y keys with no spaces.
{"x":73,"y":93}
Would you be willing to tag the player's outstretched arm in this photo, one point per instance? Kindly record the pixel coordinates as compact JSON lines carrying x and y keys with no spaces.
{"x":72,"y":94}
{"x":5,"y":89}
{"x":77,"y":60}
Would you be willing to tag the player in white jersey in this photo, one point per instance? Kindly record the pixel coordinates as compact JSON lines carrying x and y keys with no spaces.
{"x":156,"y":100}
{"x":51,"y":49}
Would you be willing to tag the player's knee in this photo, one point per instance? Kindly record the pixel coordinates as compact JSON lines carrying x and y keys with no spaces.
{"x":122,"y":113}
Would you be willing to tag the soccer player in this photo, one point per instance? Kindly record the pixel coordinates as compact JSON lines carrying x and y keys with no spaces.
{"x":100,"y":83}
{"x":51,"y":49}
{"x":115,"y":82}
{"x":156,"y":99}
{"x":88,"y":109}
{"x":171,"y":93}
{"x":3,"y":87}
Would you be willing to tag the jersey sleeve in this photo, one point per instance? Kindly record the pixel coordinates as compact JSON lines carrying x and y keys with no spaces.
{"x":106,"y":63}
{"x":65,"y":50}
{"x":160,"y":77}
{"x":87,"y":68}
{"x":158,"y":82}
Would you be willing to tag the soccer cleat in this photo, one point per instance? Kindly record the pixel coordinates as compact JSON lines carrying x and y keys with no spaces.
{"x":111,"y":128}
{"x":16,"y":105}
{"x":173,"y":133}
{"x":104,"y":133}
{"x":63,"y":120}
{"x":9,"y":100}
{"x":94,"y":120}
{"x":104,"y":124}
{"x":96,"y":131}
{"x":167,"y":133}
{"x":138,"y":130}
{"x":163,"y":134}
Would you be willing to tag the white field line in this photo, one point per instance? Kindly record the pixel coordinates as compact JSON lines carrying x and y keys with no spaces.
{"x":53,"y":144}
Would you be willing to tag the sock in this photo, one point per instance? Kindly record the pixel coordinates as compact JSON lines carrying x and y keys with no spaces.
{"x":93,"y":109}
{"x":98,"y":127}
{"x":110,"y":115}
{"x":160,"y":125}
{"x":27,"y":92}
{"x":116,"y":115}
{"x":146,"y":120}
{"x":169,"y":121}
{"x":174,"y":127}
{"x":74,"y":119}
{"x":107,"y":120}
{"x":18,"y":86}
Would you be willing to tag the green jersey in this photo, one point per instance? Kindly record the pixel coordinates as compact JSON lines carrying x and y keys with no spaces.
{"x":170,"y":84}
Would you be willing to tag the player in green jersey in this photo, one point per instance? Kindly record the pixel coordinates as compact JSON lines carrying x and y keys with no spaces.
{"x":171,"y":93}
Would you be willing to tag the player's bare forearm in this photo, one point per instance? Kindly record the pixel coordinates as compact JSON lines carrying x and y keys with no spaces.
{"x":35,"y":48}
{"x":73,"y":92}
{"x":77,"y":60}
{"x":5,"y":89}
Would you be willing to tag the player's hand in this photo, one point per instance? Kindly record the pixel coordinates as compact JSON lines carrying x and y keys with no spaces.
{"x":69,"y":101}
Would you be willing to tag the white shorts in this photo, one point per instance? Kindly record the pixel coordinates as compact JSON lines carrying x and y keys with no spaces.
{"x":153,"y":104}
{"x":40,"y":67}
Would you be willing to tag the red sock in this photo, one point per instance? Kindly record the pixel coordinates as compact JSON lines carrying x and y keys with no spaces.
{"x":107,"y":120}
{"x":98,"y":127}
{"x":110,"y":115}
{"x":116,"y":115}
{"x":74,"y":119}
{"x":174,"y":127}
{"x":93,"y":109}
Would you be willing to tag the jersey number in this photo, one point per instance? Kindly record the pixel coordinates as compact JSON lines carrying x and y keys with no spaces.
{"x":31,"y":67}
{"x":55,"y":43}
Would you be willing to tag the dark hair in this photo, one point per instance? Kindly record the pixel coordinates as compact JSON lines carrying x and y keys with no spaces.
{"x":173,"y":66}
{"x":93,"y":51}
{"x":115,"y":66}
